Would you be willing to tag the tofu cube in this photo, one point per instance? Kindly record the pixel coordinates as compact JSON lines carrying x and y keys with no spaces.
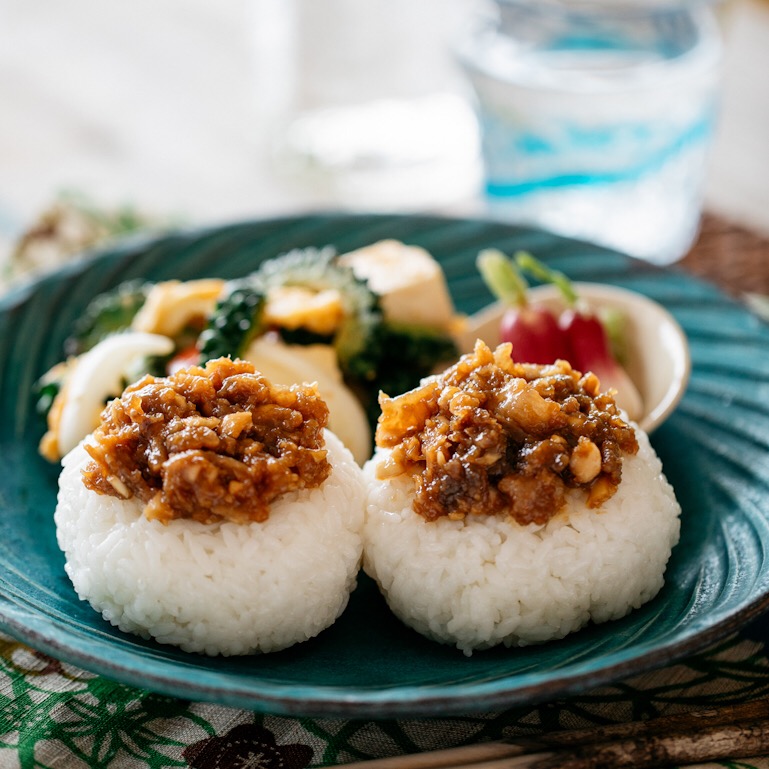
{"x":409,"y":282}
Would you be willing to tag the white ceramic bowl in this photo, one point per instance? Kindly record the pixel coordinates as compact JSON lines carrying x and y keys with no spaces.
{"x":658,"y":352}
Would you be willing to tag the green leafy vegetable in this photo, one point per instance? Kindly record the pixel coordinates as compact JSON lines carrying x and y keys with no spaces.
{"x":502,"y":277}
{"x":410,"y":352}
{"x":303,"y":336}
{"x":373,"y":354}
{"x":542,"y":272}
{"x":401,"y":356}
{"x":108,"y":313}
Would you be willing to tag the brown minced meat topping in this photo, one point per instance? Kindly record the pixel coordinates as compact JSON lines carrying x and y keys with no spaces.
{"x":209,"y":444}
{"x":492,"y":436}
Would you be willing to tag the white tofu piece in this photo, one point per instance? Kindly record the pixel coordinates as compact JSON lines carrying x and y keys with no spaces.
{"x":410,"y":283}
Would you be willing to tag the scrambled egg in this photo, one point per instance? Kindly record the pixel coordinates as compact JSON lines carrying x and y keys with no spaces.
{"x":294,"y":307}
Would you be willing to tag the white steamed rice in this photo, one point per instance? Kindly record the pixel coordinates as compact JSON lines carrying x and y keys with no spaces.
{"x":487,"y":580}
{"x":225,"y":588}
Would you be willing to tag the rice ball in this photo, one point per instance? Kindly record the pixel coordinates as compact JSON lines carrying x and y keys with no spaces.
{"x":221,"y":588}
{"x":488,"y":580}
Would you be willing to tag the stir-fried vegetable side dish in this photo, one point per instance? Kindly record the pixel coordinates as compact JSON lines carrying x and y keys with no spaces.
{"x":379,"y":318}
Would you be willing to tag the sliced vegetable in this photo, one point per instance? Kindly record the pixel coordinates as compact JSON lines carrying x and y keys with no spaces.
{"x":289,"y":364}
{"x":591,"y":351}
{"x":236,"y":320}
{"x":109,"y":313}
{"x":588,"y":342}
{"x":319,"y":271}
{"x":533,"y":331}
{"x":173,"y":306}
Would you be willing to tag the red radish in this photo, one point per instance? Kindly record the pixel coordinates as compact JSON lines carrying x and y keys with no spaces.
{"x":591,"y":351}
{"x":533,"y":331}
{"x":588,"y":341}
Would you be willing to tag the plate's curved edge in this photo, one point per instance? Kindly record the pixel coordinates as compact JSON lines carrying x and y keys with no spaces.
{"x":130,"y":245}
{"x":411,"y":702}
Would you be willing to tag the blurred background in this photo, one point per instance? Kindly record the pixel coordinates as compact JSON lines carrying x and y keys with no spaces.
{"x":206,"y":112}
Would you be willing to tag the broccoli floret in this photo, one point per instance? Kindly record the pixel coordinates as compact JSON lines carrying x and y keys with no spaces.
{"x":318,"y":270}
{"x":107,"y":314}
{"x":235,"y":321}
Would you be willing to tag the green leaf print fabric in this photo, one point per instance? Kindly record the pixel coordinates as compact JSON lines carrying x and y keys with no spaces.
{"x":55,"y":715}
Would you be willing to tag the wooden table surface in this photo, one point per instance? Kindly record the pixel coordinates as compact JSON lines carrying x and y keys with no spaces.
{"x":730,"y":255}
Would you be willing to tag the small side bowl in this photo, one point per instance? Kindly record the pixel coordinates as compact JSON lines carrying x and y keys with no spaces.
{"x":658,"y":361}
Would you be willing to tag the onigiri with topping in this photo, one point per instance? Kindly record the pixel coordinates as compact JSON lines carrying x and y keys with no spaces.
{"x":213,"y":510}
{"x":512,"y":504}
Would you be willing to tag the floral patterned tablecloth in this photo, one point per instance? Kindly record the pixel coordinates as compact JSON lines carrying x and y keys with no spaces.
{"x":55,"y":715}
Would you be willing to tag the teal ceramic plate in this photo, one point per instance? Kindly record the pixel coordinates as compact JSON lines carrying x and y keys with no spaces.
{"x":715,"y":450}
